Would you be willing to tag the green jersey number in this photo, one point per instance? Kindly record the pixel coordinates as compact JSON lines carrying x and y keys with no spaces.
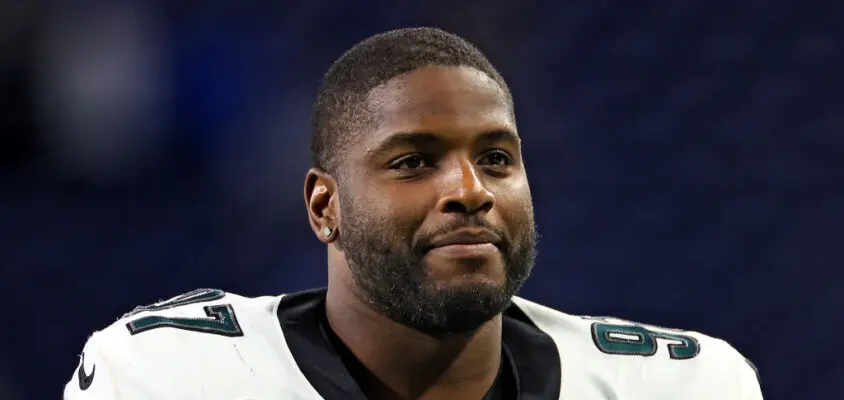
{"x":220,"y":319}
{"x":641,"y":340}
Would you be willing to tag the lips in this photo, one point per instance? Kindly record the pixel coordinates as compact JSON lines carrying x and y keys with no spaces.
{"x":468,"y":238}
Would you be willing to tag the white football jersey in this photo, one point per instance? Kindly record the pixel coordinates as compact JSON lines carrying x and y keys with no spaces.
{"x":212,"y":345}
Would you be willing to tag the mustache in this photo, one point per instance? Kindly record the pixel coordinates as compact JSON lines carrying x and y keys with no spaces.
{"x":425,"y":242}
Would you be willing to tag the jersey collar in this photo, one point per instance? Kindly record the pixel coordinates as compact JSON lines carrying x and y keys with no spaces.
{"x":531,"y":355}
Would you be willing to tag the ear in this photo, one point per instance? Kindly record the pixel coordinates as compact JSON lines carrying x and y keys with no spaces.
{"x":321,"y":202}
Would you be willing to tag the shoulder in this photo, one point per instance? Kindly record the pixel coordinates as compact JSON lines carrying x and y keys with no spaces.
{"x":215,"y":313}
{"x":177,"y":343}
{"x":654,"y":358}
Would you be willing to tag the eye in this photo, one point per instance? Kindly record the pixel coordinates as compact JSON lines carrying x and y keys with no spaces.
{"x":496,"y":158}
{"x":410,"y":162}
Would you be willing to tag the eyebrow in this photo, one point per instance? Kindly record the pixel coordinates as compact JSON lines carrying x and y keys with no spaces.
{"x":500,"y":136}
{"x":427,"y":139}
{"x":405,"y":139}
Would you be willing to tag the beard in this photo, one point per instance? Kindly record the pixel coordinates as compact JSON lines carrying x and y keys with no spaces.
{"x":391,"y":275}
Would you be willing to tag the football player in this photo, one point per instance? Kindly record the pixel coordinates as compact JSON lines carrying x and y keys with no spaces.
{"x":419,"y":192}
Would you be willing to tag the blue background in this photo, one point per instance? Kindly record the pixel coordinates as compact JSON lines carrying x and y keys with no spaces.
{"x":686,"y":161}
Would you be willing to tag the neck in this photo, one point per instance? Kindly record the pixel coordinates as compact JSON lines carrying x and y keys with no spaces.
{"x":407,"y":364}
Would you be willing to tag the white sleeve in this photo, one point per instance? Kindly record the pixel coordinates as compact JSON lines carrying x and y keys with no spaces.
{"x":93,"y":378}
{"x":742,"y":375}
{"x":749,"y":382}
{"x":106,"y":375}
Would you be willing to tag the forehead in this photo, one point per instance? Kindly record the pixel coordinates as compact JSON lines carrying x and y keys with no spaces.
{"x":439,"y":100}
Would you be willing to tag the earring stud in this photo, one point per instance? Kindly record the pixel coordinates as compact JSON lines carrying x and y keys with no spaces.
{"x":326,"y":231}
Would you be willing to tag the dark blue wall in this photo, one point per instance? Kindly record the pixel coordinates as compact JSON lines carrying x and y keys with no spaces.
{"x":686,"y":159}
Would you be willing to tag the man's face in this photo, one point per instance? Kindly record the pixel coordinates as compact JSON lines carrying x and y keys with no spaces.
{"x":436,"y":220}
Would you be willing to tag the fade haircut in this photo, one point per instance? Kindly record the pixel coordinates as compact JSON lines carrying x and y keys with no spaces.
{"x":340,"y":110}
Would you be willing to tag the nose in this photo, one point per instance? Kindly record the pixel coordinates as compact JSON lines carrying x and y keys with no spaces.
{"x":465,"y":191}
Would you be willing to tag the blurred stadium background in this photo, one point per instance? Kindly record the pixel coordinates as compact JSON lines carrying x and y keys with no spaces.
{"x":686,"y":157}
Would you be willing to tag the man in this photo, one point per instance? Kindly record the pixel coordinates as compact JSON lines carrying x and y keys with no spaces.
{"x":420,"y":193}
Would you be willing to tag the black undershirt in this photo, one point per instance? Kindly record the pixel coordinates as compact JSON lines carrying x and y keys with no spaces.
{"x":530,"y":362}
{"x":503,"y":388}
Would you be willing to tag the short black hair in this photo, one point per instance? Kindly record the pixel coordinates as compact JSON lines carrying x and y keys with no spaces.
{"x":340,"y":105}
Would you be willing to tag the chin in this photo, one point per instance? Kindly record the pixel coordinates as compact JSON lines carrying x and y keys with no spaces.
{"x":473,"y":281}
{"x":461,"y":304}
{"x":484,"y":271}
